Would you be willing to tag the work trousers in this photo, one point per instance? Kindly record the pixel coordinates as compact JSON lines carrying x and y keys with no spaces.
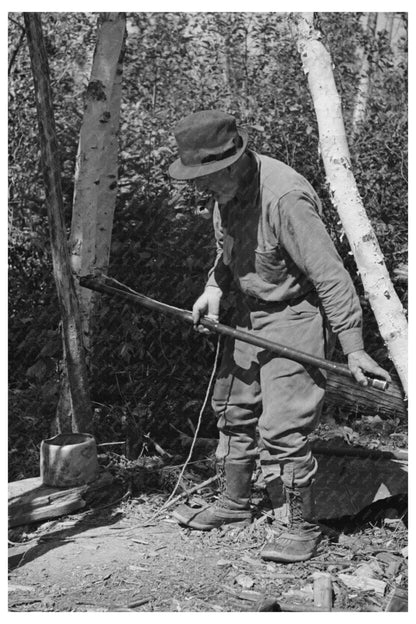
{"x":257,"y":391}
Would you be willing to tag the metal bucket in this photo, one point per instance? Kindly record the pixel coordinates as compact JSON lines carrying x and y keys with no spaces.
{"x":68,"y":460}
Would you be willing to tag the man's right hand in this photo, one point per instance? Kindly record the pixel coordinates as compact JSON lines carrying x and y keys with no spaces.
{"x":208,"y":304}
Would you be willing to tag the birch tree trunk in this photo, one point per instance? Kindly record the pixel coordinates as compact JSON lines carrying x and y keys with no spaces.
{"x":96,"y":167}
{"x":224,"y":25}
{"x":364,"y":82}
{"x":78,"y":395}
{"x":383,"y":299}
{"x":389,"y":26}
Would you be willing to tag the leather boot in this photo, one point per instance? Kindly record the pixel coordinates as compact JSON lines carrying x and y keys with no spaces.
{"x":233,"y":504}
{"x":299,"y":540}
{"x":277,"y":497}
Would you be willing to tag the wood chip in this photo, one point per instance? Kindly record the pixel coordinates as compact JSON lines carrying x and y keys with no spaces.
{"x":245,"y":581}
{"x":28,"y":588}
{"x":362,"y":583}
{"x":251,"y":560}
{"x":398,"y":601}
{"x":369,"y":570}
{"x":392,"y":562}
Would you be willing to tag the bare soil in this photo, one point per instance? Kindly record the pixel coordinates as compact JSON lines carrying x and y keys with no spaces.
{"x":124,"y":554}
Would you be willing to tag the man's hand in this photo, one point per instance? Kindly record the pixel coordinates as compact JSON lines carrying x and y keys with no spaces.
{"x":208,"y":304}
{"x":359,"y":362}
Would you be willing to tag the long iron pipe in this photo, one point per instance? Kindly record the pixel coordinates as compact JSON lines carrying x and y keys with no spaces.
{"x":97,"y":284}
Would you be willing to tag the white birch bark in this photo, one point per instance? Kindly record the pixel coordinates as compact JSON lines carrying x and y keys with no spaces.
{"x":389,"y":27}
{"x":109,"y":175}
{"x":378,"y":287}
{"x":96,"y":167}
{"x":364,"y":82}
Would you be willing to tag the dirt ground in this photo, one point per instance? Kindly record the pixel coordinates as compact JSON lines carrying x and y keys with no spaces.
{"x":127,"y":555}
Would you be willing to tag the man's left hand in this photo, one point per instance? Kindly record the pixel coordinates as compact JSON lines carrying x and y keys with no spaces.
{"x":359,"y":362}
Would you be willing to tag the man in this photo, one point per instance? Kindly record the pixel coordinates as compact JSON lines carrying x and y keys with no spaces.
{"x":291,"y":284}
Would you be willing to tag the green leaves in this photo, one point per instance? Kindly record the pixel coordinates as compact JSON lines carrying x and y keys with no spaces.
{"x":176,"y":63}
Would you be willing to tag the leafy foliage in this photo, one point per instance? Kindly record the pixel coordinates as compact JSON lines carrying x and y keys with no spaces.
{"x":149,"y":372}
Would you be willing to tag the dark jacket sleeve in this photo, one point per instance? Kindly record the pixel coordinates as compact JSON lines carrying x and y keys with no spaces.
{"x":220,"y":275}
{"x":303,"y":235}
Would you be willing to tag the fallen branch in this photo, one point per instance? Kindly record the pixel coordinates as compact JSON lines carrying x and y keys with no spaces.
{"x":172,"y":502}
{"x":138,"y":603}
{"x":355,"y":451}
{"x":24,"y":602}
{"x":321,"y":448}
{"x":186,"y":493}
{"x":157,"y":446}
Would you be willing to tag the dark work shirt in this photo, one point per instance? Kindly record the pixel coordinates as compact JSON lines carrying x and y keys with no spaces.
{"x":273,"y":244}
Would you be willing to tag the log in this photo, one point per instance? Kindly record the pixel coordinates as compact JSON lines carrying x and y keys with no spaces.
{"x":319,"y":448}
{"x":345,"y":392}
{"x":32,"y":501}
{"x":65,"y":506}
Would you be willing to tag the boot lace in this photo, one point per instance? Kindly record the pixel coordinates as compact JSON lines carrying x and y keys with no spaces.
{"x":221,"y":502}
{"x":294,"y":500}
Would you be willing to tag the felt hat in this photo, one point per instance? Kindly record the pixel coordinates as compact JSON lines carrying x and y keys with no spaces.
{"x":208,"y":141}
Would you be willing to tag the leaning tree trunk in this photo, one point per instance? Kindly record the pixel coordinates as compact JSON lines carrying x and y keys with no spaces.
{"x":96,"y":168}
{"x":95,"y":185}
{"x":383,"y":299}
{"x":67,"y":299}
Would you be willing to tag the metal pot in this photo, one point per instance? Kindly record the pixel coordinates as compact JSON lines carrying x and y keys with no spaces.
{"x":68,"y":460}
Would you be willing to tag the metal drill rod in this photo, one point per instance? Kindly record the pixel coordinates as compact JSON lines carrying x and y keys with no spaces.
{"x":97,"y":285}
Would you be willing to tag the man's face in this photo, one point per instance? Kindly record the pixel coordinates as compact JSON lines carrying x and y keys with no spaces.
{"x":222,"y":185}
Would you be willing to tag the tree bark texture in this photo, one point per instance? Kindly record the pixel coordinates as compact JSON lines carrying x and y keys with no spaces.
{"x":68,"y":303}
{"x":96,"y":167}
{"x":364,"y":53}
{"x":347,"y":394}
{"x":378,"y":287}
{"x":389,"y":27}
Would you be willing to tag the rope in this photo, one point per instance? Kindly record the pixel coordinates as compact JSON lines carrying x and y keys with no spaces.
{"x":188,"y":459}
{"x":198,"y":426}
